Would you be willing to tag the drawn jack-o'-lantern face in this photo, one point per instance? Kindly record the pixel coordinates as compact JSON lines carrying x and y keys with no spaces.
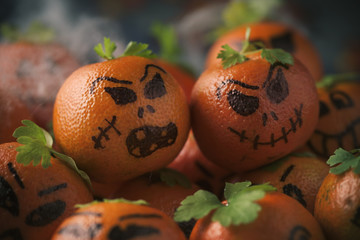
{"x":135,"y":116}
{"x":34,"y":200}
{"x":339,"y":120}
{"x":112,"y":221}
{"x":257,"y":113}
{"x":272,"y":35}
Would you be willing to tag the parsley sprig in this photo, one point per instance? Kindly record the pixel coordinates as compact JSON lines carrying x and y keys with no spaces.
{"x":107,"y":50}
{"x":117,"y":200}
{"x":240,"y":207}
{"x":332,"y":80}
{"x":343,"y":160}
{"x":230,"y":56}
{"x":37,"y":148}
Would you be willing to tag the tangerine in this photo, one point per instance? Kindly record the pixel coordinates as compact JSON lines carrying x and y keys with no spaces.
{"x":272,"y":35}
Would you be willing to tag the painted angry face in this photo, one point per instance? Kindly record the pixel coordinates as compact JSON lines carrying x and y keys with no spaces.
{"x":339,"y":120}
{"x":118,"y":221}
{"x":147,"y":138}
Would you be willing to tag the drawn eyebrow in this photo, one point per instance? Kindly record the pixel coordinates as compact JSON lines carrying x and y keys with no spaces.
{"x":147,"y":69}
{"x":130,"y":216}
{"x":52,"y":189}
{"x":110,"y":79}
{"x":244,"y":85}
{"x":16,"y":175}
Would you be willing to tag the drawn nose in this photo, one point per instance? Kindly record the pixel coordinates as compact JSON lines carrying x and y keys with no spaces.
{"x":141,"y":110}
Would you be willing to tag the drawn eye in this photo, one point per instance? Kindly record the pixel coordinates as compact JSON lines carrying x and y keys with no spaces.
{"x":341,"y":100}
{"x":155,"y":88}
{"x":241,"y":103}
{"x":324,"y":109}
{"x":121,"y":95}
{"x":46,"y":213}
{"x":277,"y":89}
{"x":8,"y":199}
{"x":284,"y":41}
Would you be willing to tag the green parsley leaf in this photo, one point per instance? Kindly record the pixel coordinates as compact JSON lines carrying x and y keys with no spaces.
{"x":343,"y":160}
{"x":166,"y":36}
{"x":230,"y":57}
{"x":277,"y":55}
{"x":172,"y":177}
{"x":138,"y":49}
{"x":241,"y":207}
{"x":331,"y":80}
{"x":117,"y":200}
{"x":37,"y":148}
{"x":196,"y":206}
{"x":108,"y":50}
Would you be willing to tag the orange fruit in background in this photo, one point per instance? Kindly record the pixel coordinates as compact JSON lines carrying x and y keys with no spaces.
{"x":272,"y":35}
{"x":337,"y":206}
{"x":297,"y":176}
{"x":34,"y":200}
{"x":339,"y":120}
{"x":280,"y":217}
{"x":12,"y":111}
{"x":184,"y":78}
{"x":118,"y":221}
{"x":121,"y":118}
{"x":253,"y":113}
{"x":34,"y":73}
{"x":192,"y":163}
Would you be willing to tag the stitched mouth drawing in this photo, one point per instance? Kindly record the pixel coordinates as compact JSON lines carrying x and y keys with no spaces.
{"x":326,"y":138}
{"x":143,"y":141}
{"x":273,"y":140}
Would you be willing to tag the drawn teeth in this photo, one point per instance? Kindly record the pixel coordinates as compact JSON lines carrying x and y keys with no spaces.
{"x":140,"y":135}
{"x":153,"y":147}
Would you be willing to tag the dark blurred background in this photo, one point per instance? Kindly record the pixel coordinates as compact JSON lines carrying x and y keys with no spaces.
{"x":333,"y":26}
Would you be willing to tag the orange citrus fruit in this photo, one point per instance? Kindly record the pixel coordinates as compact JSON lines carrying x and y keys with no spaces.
{"x":280,"y":217}
{"x":272,"y":35}
{"x":118,"y":221}
{"x":297,"y":176}
{"x":35,"y":200}
{"x":253,"y":113}
{"x":121,"y":118}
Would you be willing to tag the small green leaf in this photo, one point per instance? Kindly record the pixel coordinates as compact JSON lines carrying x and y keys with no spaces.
{"x":331,"y":80}
{"x":138,"y":49}
{"x":108,"y":50}
{"x":196,"y":206}
{"x":30,"y":130}
{"x":343,"y":160}
{"x":277,"y":55}
{"x":117,"y":200}
{"x":241,"y":207}
{"x":71,"y":163}
{"x":230,"y":57}
{"x":32,"y":150}
{"x":172,"y":177}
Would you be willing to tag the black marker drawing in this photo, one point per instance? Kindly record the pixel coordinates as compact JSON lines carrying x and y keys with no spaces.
{"x":121,"y":95}
{"x":286,"y":173}
{"x":52,"y":189}
{"x":356,"y":219}
{"x":11,"y":234}
{"x":294,"y":192}
{"x":299,"y":233}
{"x":284,"y":41}
{"x":147,"y":70}
{"x":78,"y":231}
{"x":276,"y":88}
{"x":155,"y":88}
{"x":131,"y":231}
{"x":103,"y":133}
{"x":145,"y":140}
{"x":8,"y":198}
{"x":295,"y":124}
{"x":16,"y":175}
{"x":110,"y":79}
{"x":45,"y":213}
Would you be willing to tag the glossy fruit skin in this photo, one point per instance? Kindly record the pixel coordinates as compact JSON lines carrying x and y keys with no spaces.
{"x":273,"y":35}
{"x":34,"y":73}
{"x":253,"y":113}
{"x":339,"y":120}
{"x":299,"y":177}
{"x":12,"y":112}
{"x":192,"y":163}
{"x":34,"y":200}
{"x":121,"y":118}
{"x":156,"y":192}
{"x":118,"y":221}
{"x":337,"y":206}
{"x":280,"y":217}
{"x":184,"y":78}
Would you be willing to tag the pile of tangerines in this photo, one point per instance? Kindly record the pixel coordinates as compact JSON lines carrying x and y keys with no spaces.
{"x":260,"y":146}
